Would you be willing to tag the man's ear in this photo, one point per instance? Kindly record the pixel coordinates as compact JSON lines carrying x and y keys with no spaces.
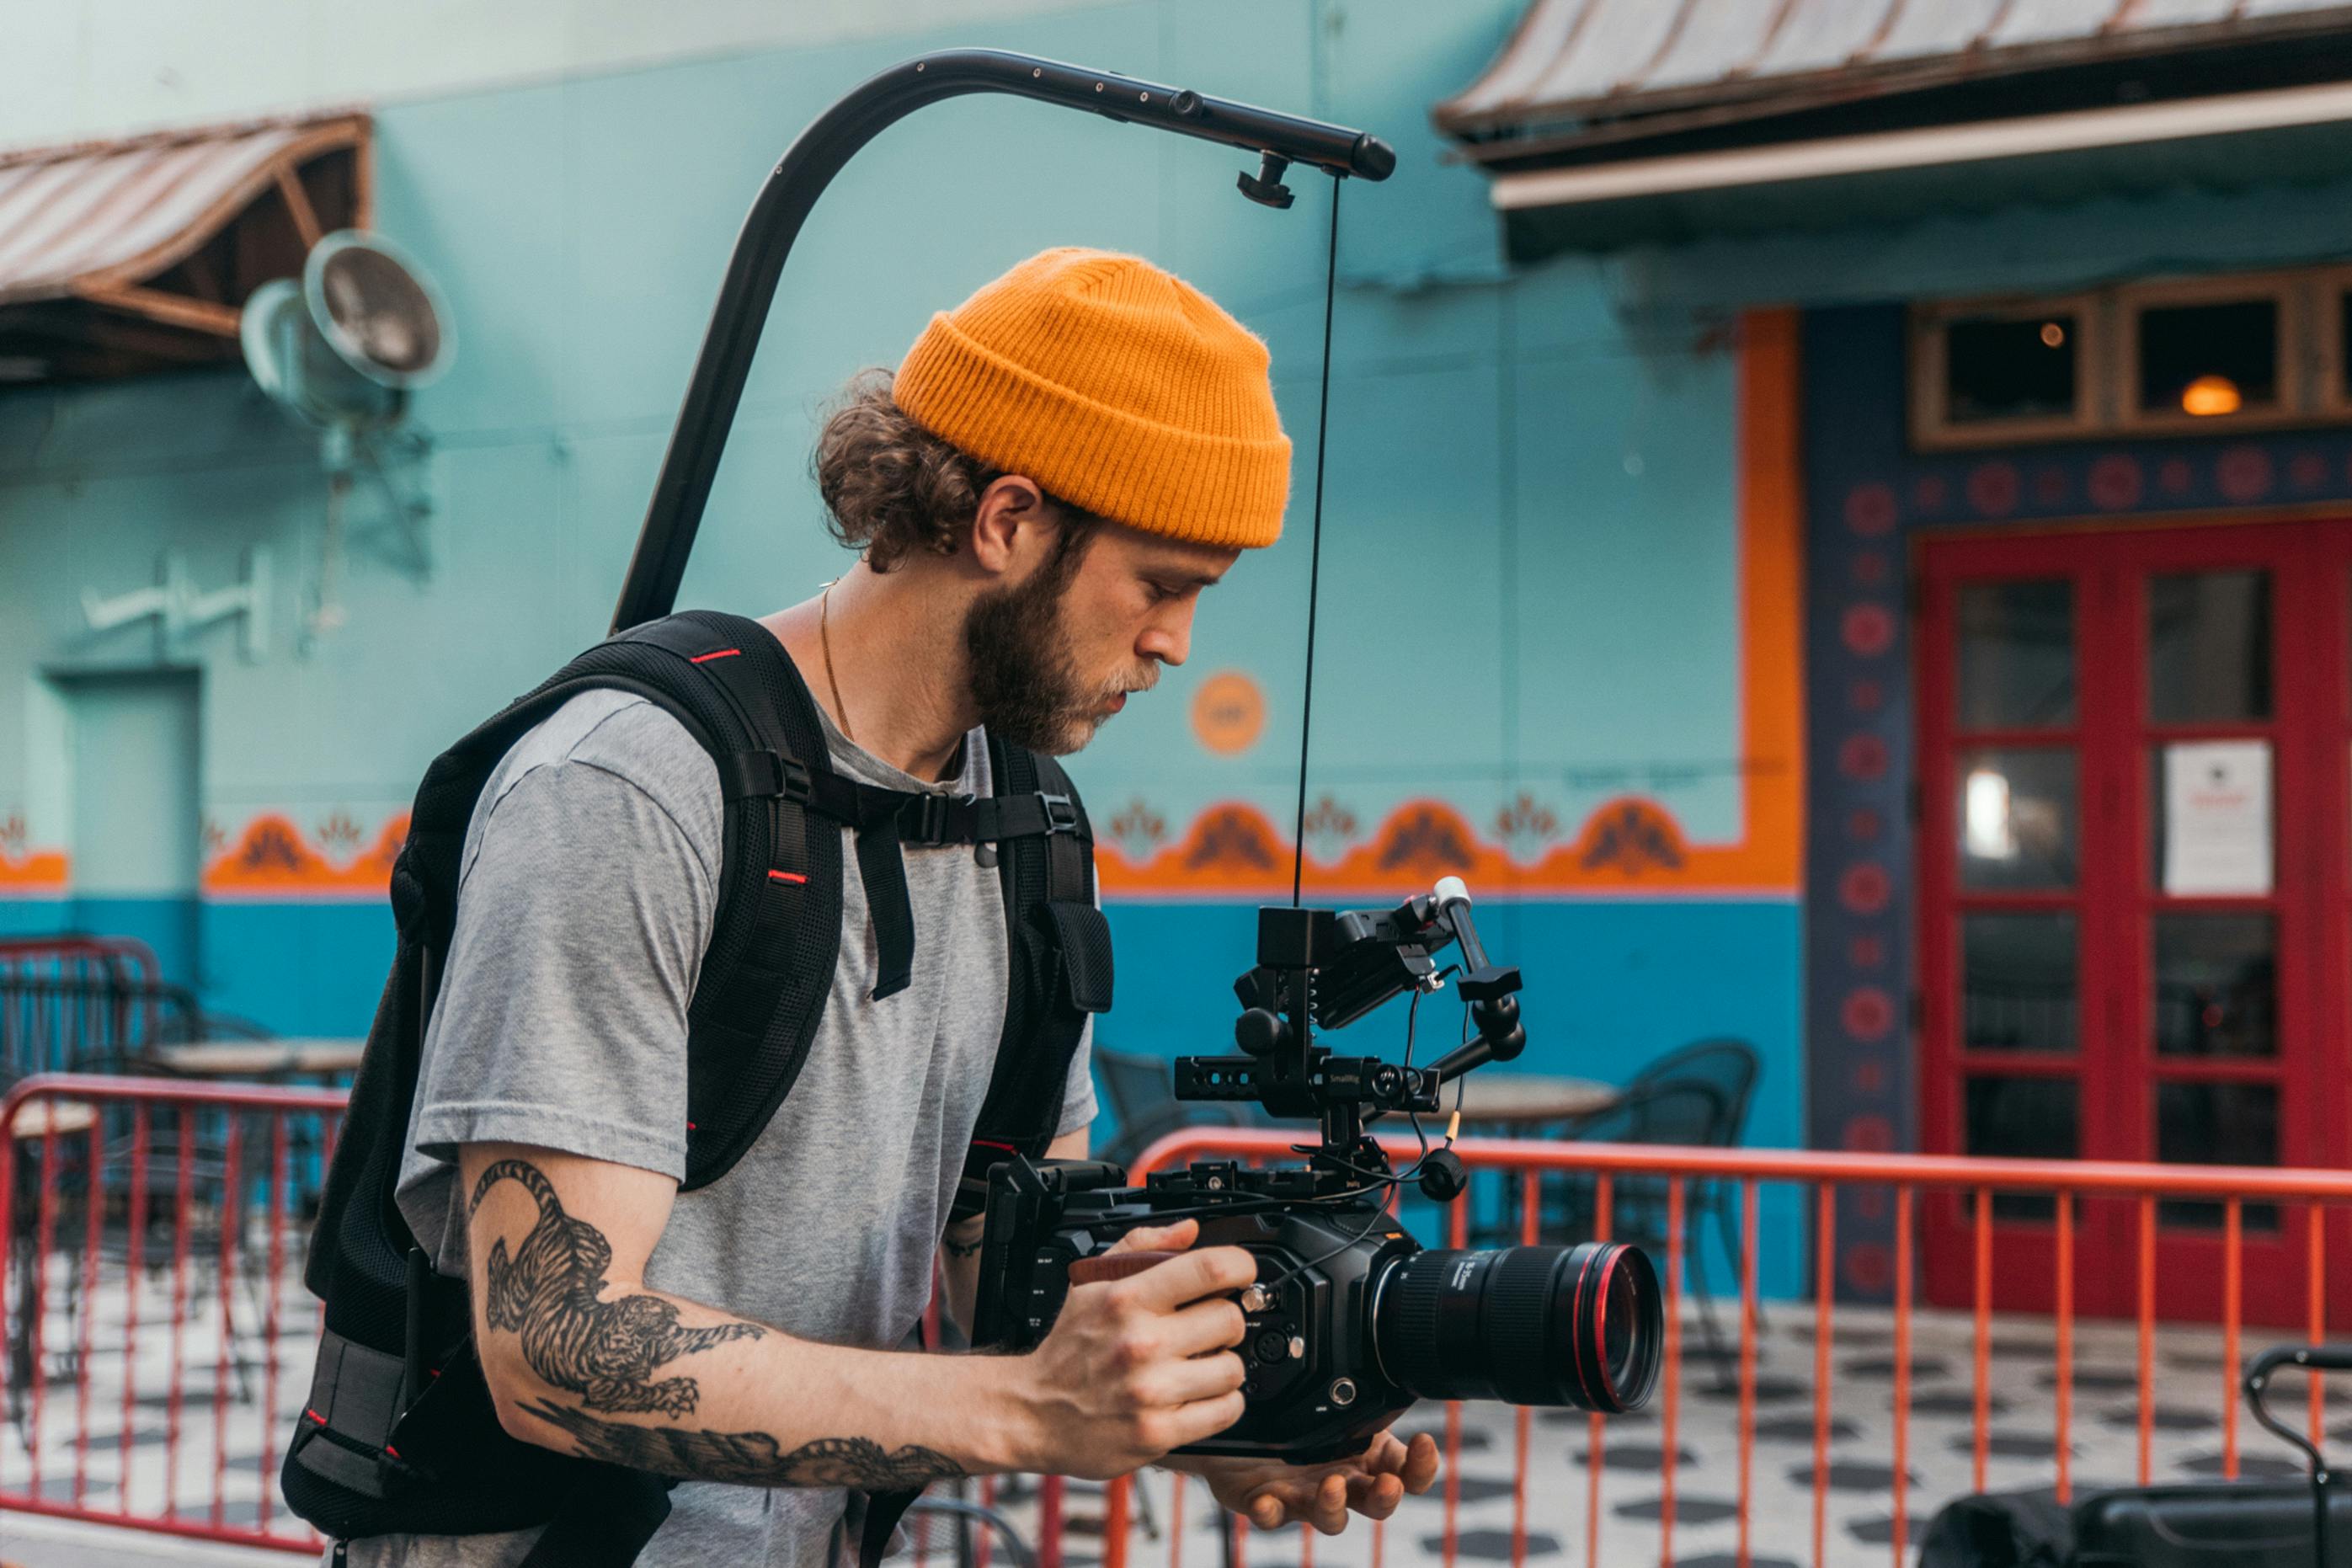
{"x":1013,"y":523}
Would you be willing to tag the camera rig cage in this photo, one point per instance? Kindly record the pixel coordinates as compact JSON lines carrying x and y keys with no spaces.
{"x":1323,"y":969}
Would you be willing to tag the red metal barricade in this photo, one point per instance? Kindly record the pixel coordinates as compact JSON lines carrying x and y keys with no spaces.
{"x":1613,"y":1168}
{"x":158,"y":1336}
{"x":159,"y":1341}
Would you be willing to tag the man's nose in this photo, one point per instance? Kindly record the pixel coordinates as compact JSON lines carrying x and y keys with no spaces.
{"x":1169,"y":642}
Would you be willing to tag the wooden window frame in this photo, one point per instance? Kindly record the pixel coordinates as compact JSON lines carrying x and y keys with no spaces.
{"x":2331,"y":392}
{"x":2291,"y":291}
{"x":1932,"y":429}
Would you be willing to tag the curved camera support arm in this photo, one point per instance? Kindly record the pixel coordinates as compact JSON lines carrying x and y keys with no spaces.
{"x":792,"y":188}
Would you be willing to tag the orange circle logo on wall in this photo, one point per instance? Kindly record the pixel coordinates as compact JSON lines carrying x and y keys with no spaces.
{"x":1228,"y":712}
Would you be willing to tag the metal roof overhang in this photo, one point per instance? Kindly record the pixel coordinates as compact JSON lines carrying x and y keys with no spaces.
{"x":123,"y":256}
{"x":2298,"y":134}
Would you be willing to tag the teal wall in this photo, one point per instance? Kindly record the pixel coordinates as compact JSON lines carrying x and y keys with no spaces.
{"x":1530,"y":572}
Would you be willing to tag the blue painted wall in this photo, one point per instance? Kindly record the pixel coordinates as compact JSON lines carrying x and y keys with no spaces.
{"x":1530,"y":569}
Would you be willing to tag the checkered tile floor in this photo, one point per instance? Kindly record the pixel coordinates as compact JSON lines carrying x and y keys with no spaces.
{"x":228,"y":1437}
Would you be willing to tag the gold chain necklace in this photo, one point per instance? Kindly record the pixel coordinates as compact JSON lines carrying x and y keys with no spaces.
{"x":825,"y":636}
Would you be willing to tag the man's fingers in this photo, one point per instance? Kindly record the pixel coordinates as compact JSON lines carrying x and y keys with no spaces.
{"x":1158,"y":1238}
{"x":1330,"y":1514}
{"x":1375,"y":1497}
{"x":1420,"y":1471}
{"x":1212,"y":1325}
{"x":1204,"y":1418}
{"x":1209,"y":1272}
{"x":1202,"y":1377}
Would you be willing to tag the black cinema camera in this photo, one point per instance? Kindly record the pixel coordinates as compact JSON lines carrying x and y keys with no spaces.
{"x":1352,"y":1319}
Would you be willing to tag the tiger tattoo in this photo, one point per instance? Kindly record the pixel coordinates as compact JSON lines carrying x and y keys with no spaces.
{"x":549,"y":1290}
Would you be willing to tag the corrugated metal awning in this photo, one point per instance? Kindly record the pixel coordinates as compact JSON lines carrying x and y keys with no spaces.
{"x":171,"y":230}
{"x":1605,"y":102}
{"x":1584,"y":65}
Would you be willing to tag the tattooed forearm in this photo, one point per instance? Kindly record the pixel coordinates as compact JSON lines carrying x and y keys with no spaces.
{"x":750,"y":1457}
{"x":957,"y":1248}
{"x":548,"y":1292}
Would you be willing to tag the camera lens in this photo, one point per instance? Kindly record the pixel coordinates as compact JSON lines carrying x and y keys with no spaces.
{"x":1533,"y":1325}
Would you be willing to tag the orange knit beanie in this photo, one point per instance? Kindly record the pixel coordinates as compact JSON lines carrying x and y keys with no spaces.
{"x":1115,"y":385}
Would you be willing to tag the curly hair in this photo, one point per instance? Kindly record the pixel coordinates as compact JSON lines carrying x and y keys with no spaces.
{"x":892,"y":487}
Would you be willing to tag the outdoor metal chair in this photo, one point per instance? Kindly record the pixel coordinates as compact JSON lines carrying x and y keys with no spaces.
{"x":1677,"y":1112}
{"x":1730,"y":1066}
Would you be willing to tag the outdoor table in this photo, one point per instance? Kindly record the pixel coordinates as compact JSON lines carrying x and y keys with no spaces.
{"x":261,"y":1059}
{"x":61,"y":1117}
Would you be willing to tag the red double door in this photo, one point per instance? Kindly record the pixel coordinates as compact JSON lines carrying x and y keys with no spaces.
{"x":2135,"y":876}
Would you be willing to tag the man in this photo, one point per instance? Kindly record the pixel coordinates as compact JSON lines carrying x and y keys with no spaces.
{"x":1039,"y":495}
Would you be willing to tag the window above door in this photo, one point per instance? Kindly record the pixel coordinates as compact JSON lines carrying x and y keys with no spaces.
{"x":2155,"y":357}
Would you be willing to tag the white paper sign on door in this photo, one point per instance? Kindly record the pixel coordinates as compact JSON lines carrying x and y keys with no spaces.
{"x":2217,"y":817}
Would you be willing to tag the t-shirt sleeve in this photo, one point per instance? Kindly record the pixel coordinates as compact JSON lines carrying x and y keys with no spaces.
{"x":562,"y":1015}
{"x":1078,"y":1090}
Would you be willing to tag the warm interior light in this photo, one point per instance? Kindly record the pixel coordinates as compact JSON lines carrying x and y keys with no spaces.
{"x":2210,"y":395}
{"x":2052,"y":334}
{"x":1988,"y":831}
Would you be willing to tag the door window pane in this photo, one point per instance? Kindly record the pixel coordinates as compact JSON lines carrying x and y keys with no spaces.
{"x":2017,"y":655}
{"x":2022,"y":1117}
{"x":2209,"y":358}
{"x":2209,"y":647}
{"x":2016,"y":810}
{"x":2216,"y":986}
{"x":1997,"y":368}
{"x":2209,"y":826}
{"x":2017,"y":979}
{"x":2216,"y":1124}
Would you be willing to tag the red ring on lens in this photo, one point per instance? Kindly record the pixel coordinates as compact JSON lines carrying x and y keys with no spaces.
{"x":1608,"y":1262}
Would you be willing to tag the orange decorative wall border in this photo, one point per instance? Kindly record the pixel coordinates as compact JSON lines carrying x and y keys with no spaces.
{"x":1629,"y":845}
{"x":274,"y":858}
{"x":35,"y":874}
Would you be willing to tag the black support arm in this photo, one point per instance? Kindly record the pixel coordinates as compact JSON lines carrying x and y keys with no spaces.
{"x":792,"y":188}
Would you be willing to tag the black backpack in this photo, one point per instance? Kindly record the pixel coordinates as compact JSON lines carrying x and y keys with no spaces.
{"x":400,"y":1435}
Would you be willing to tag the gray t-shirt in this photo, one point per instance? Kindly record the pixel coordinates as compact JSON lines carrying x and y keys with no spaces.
{"x":588,"y":884}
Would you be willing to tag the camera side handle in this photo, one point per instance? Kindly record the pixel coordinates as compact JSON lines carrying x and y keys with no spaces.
{"x":1107,"y":1266}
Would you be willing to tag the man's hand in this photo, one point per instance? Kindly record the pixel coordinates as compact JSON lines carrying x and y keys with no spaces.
{"x":1271,"y":1494}
{"x":1137,"y":1366}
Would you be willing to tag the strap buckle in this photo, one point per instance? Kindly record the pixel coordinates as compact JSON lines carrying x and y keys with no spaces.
{"x":764,"y":774}
{"x":1061,"y":812}
{"x":923,"y":819}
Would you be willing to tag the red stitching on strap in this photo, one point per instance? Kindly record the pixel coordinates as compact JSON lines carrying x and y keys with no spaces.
{"x":722,"y":653}
{"x":794,"y":877}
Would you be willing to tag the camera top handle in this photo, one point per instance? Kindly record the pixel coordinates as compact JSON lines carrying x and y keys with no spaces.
{"x":650,"y":590}
{"x":1321,"y":969}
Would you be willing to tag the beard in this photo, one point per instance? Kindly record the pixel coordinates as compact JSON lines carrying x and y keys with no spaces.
{"x":1025,"y":679}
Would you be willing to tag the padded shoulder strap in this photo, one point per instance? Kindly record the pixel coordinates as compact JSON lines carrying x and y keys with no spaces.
{"x":777,"y":932}
{"x":1061,"y":964}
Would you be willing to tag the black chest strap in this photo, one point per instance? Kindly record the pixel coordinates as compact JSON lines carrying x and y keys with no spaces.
{"x":884,"y":820}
